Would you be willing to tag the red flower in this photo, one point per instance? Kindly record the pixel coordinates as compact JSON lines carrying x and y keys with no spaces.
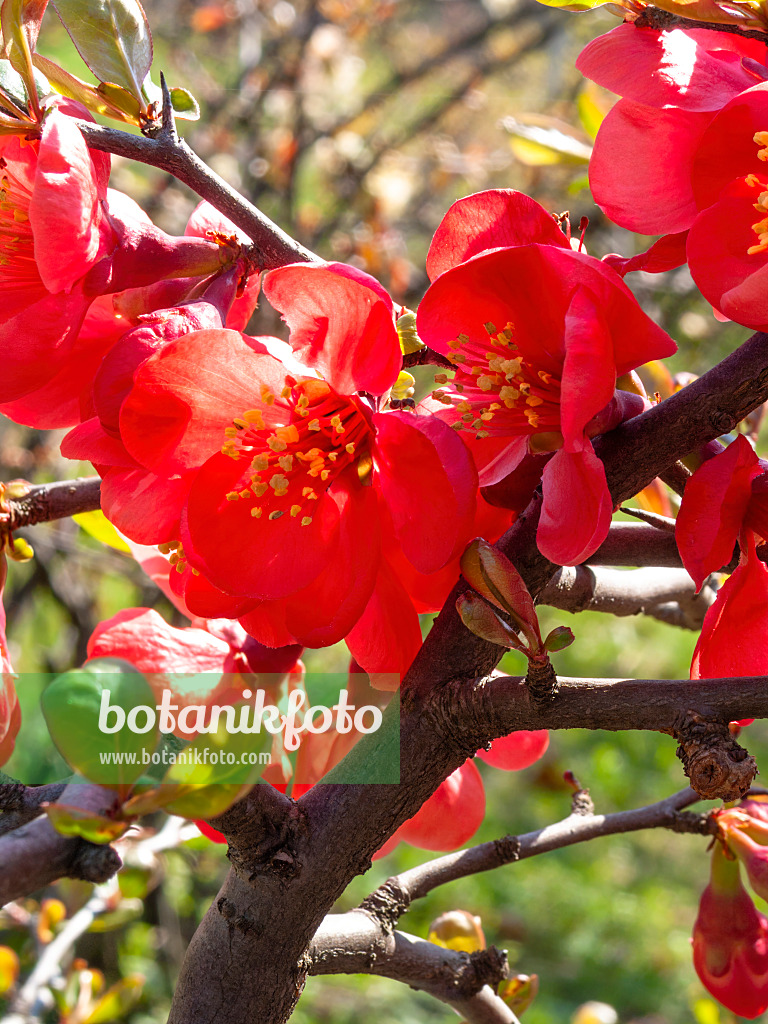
{"x":291,"y":478}
{"x":730,"y":942}
{"x":63,"y":242}
{"x":538,"y":335}
{"x":10,"y":714}
{"x":702,"y":106}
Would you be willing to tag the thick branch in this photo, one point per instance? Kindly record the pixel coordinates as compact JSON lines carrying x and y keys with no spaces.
{"x":274,"y":247}
{"x":20,"y":804}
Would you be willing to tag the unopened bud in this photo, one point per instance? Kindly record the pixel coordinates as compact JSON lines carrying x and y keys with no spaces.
{"x":458,"y":930}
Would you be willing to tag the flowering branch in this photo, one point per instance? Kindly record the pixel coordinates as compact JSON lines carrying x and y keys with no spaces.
{"x":274,"y":247}
{"x":56,"y":500}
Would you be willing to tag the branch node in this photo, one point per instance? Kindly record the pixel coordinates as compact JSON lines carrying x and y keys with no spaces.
{"x":94,"y":863}
{"x":387,"y":904}
{"x":541,"y":681}
{"x":718,"y":767}
{"x":582,"y":804}
{"x":507,"y":849}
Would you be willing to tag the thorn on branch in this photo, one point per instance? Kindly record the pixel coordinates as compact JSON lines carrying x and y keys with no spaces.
{"x":652,"y":518}
{"x":717,"y":766}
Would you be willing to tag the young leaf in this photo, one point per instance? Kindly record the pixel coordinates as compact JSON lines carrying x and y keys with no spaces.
{"x":20,"y":21}
{"x":112,"y":37}
{"x":74,"y":821}
{"x":89,"y":95}
{"x":493,"y":576}
{"x":72,"y":706}
{"x":480,"y":619}
{"x":560,"y":638}
{"x":184,"y":104}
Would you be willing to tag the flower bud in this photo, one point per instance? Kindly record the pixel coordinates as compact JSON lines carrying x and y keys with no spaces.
{"x":459,"y":930}
{"x":730,"y":942}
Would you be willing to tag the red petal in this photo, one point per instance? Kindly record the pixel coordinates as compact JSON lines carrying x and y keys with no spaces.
{"x":734,"y":638}
{"x":259,"y":558}
{"x":713,"y":508}
{"x":577,"y":507}
{"x":185,"y":396}
{"x":426,"y":477}
{"x":517,"y":751}
{"x":640,"y":171}
{"x":665,"y":254}
{"x":452,"y":815}
{"x":589,"y":376}
{"x":686,"y":68}
{"x":387,"y":637}
{"x":490,"y":220}
{"x":143,"y":506}
{"x":358,"y":351}
{"x":65,"y":211}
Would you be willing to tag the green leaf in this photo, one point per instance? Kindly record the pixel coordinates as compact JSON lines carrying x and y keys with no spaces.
{"x":20,"y":20}
{"x":72,"y":705}
{"x":112,"y":37}
{"x":480,"y":619}
{"x":560,"y":638}
{"x":74,"y":821}
{"x":89,"y":95}
{"x":184,"y":104}
{"x":13,"y":89}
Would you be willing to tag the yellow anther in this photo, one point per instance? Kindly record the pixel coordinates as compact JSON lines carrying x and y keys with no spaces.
{"x":276,"y":514}
{"x":295,"y":509}
{"x":230,"y":432}
{"x":306,"y":520}
{"x":260,"y":461}
{"x":285,"y":392}
{"x":485,"y":383}
{"x":454,"y":343}
{"x":256,"y":512}
{"x":240,"y":423}
{"x":532,"y":417}
{"x":245,"y":493}
{"x":350,"y":448}
{"x":752,"y":180}
{"x":289,"y":433}
{"x":325,"y":474}
{"x":333,"y":456}
{"x":458,"y":425}
{"x":232,"y":496}
{"x":486,"y":416}
{"x":279,"y":484}
{"x":307,"y":492}
{"x":337,"y":424}
{"x":285,"y":462}
{"x":481,"y":434}
{"x":490,"y":327}
{"x":254,"y":417}
{"x":463,"y":406}
{"x":534,"y":400}
{"x":259,"y":488}
{"x":276,"y":444}
{"x":459,"y":358}
{"x":545,"y":377}
{"x":467,"y":417}
{"x":313,"y":425}
{"x":441,"y":378}
{"x":267,"y":395}
{"x":509,"y":396}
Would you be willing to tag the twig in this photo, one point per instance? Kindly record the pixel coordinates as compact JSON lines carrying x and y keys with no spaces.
{"x":274,"y":248}
{"x":20,"y":804}
{"x":52,"y":501}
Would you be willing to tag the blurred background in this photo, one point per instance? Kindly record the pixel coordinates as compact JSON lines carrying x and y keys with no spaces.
{"x":354,"y":124}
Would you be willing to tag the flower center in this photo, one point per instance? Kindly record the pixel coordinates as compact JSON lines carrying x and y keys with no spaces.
{"x":291,"y":464}
{"x":498,"y":391}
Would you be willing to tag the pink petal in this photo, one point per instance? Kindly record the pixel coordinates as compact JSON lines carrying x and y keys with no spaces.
{"x":589,"y":377}
{"x":143,"y":506}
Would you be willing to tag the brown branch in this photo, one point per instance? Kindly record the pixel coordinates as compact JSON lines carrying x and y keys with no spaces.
{"x":665,"y":594}
{"x":35,"y":855}
{"x":20,"y":804}
{"x":653,"y":17}
{"x":52,"y":501}
{"x":274,"y":248}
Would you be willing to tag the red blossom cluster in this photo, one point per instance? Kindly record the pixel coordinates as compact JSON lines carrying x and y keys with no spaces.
{"x":292,"y":498}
